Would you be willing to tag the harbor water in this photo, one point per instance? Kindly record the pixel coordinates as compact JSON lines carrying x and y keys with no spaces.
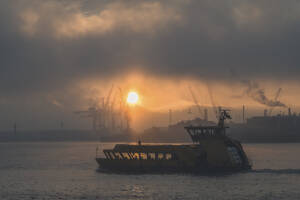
{"x":67,"y":170}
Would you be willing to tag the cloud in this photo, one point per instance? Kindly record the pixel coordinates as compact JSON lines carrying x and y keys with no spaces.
{"x":72,"y":21}
{"x":55,"y":46}
{"x":30,"y":20}
{"x":80,"y":39}
{"x":49,"y":43}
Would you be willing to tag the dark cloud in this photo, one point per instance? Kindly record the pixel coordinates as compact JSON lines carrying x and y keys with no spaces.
{"x":49,"y":45}
{"x":44,"y":45}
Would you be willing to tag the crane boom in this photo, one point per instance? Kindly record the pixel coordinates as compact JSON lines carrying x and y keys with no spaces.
{"x":212,"y":101}
{"x":108,"y":97}
{"x":196,"y":101}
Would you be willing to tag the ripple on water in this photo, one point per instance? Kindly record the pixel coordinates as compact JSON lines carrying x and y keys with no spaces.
{"x":68,"y":171}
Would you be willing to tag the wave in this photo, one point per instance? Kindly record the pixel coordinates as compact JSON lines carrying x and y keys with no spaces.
{"x":277,"y":171}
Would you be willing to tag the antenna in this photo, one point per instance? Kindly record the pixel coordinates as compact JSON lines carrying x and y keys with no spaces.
{"x":170,"y":117}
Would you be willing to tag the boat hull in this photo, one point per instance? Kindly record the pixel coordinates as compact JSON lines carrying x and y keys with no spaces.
{"x":162,"y":166}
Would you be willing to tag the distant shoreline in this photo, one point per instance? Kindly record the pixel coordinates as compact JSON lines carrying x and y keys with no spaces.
{"x":90,"y":136}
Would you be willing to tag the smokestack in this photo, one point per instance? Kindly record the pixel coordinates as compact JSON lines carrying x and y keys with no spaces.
{"x":265,"y":112}
{"x":290,"y":112}
{"x":205,"y":114}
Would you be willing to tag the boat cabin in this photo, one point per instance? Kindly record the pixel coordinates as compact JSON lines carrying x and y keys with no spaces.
{"x":145,"y":152}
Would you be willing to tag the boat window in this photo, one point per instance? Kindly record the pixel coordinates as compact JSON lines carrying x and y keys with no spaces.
{"x":143,"y":156}
{"x":130,"y":155}
{"x":151,"y":156}
{"x":235,"y":157}
{"x":160,"y":156}
{"x":168,"y":156}
{"x":136,"y":156}
{"x":125,"y":156}
{"x":108,"y":155}
{"x":111,"y":155}
{"x":117,"y":155}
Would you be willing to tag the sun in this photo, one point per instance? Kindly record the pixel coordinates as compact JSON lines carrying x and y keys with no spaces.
{"x":132,"y":98}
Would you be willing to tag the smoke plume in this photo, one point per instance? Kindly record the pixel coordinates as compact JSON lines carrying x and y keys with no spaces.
{"x":258,"y":94}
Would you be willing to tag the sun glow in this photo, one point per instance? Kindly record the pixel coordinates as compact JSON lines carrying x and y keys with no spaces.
{"x":132,"y":98}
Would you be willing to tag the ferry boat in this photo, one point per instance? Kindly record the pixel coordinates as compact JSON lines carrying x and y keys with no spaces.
{"x":211,"y":151}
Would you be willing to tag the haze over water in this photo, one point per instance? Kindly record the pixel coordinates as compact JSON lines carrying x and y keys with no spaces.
{"x":70,"y":67}
{"x":61,"y":56}
{"x":56,"y":170}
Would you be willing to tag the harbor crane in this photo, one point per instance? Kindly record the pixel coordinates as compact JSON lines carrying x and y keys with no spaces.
{"x":105,"y":115}
{"x":93,"y":112}
{"x":196,"y":102}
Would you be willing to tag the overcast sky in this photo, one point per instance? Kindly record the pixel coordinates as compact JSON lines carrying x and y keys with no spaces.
{"x":48,"y":47}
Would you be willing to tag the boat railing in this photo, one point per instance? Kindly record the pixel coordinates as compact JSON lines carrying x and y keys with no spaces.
{"x":198,"y":133}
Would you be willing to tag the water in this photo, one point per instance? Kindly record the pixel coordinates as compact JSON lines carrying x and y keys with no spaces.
{"x":68,"y":171}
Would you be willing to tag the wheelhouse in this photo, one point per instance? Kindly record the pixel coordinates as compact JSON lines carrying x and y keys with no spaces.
{"x":198,"y":133}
